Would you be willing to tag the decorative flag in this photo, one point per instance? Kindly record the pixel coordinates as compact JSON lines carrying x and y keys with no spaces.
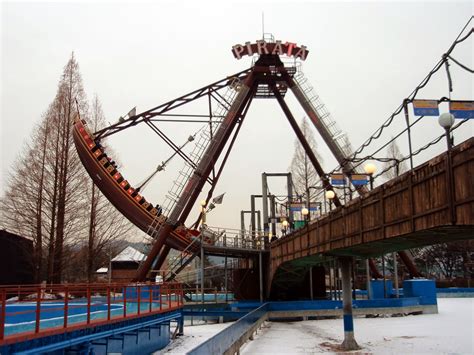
{"x":338,"y":179}
{"x":359,"y":179}
{"x":132,"y":112}
{"x":218,"y":199}
{"x":425,"y":107}
{"x":298,"y":206}
{"x":462,"y":109}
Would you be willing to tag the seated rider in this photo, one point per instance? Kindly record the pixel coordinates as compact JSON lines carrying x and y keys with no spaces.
{"x":159,"y":209}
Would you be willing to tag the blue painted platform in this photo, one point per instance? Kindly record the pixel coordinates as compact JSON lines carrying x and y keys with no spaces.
{"x":135,"y":335}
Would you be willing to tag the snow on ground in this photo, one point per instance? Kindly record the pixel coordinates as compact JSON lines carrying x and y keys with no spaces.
{"x":451,"y":331}
{"x":193,"y":336}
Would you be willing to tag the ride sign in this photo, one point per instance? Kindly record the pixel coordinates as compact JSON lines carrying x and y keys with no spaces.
{"x":274,"y":48}
{"x":462,"y":109}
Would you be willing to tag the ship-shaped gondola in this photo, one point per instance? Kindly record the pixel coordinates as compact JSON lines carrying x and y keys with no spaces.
{"x":103,"y":171}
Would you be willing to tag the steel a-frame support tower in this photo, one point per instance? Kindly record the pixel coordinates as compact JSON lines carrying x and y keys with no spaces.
{"x":268,"y":78}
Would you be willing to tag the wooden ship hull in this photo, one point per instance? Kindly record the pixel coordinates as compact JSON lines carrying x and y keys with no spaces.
{"x":103,"y":171}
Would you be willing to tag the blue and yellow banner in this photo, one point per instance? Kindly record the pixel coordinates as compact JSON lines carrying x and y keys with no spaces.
{"x":298,"y":206}
{"x":337,"y":180}
{"x":462,"y":109}
{"x":425,"y":108}
{"x":359,"y":179}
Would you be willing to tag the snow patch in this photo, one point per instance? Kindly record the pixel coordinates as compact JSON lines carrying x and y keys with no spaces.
{"x":451,"y":331}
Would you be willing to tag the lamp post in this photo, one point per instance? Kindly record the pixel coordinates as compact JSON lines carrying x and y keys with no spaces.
{"x":284,"y":224}
{"x":330,"y":195}
{"x":203,"y":212}
{"x":203,"y":223}
{"x":369,"y":169}
{"x":305,"y":213}
{"x":446,"y":120}
{"x":308,"y":202}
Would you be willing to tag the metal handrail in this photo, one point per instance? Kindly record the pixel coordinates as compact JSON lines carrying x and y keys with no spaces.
{"x":221,"y":342}
{"x":54,"y":309}
{"x":214,"y":292}
{"x":222,"y":238}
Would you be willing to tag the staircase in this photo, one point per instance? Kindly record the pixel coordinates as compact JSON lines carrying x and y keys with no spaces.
{"x":200,"y":146}
{"x":185,"y":257}
{"x":220,"y":239}
{"x":337,"y":135}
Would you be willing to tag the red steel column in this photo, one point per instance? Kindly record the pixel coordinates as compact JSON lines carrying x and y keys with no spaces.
{"x":196,"y":182}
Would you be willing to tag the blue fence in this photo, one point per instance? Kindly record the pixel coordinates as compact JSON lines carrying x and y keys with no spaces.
{"x":455,"y":292}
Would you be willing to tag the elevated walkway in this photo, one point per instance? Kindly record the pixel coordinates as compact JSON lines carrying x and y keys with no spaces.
{"x":413,"y":210}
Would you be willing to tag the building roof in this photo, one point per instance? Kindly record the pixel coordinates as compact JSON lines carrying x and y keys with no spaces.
{"x":102,"y":270}
{"x":129,"y":254}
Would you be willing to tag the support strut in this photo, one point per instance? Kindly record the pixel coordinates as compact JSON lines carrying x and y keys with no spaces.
{"x":194,"y":185}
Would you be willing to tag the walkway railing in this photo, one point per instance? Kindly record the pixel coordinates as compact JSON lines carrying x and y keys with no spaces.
{"x":232,"y":238}
{"x":33,"y":311}
{"x":210,"y":295}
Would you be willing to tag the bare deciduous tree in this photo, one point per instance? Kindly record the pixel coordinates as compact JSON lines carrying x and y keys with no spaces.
{"x":395,"y":165}
{"x":71,"y":101}
{"x":43,"y":197}
{"x":302,"y":170}
{"x":50,"y":198}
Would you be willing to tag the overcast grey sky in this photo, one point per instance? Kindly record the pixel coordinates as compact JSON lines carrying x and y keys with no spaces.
{"x":365,"y":57}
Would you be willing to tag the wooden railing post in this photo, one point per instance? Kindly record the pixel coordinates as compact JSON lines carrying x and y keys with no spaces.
{"x":450,"y":187}
{"x":411,"y":200}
